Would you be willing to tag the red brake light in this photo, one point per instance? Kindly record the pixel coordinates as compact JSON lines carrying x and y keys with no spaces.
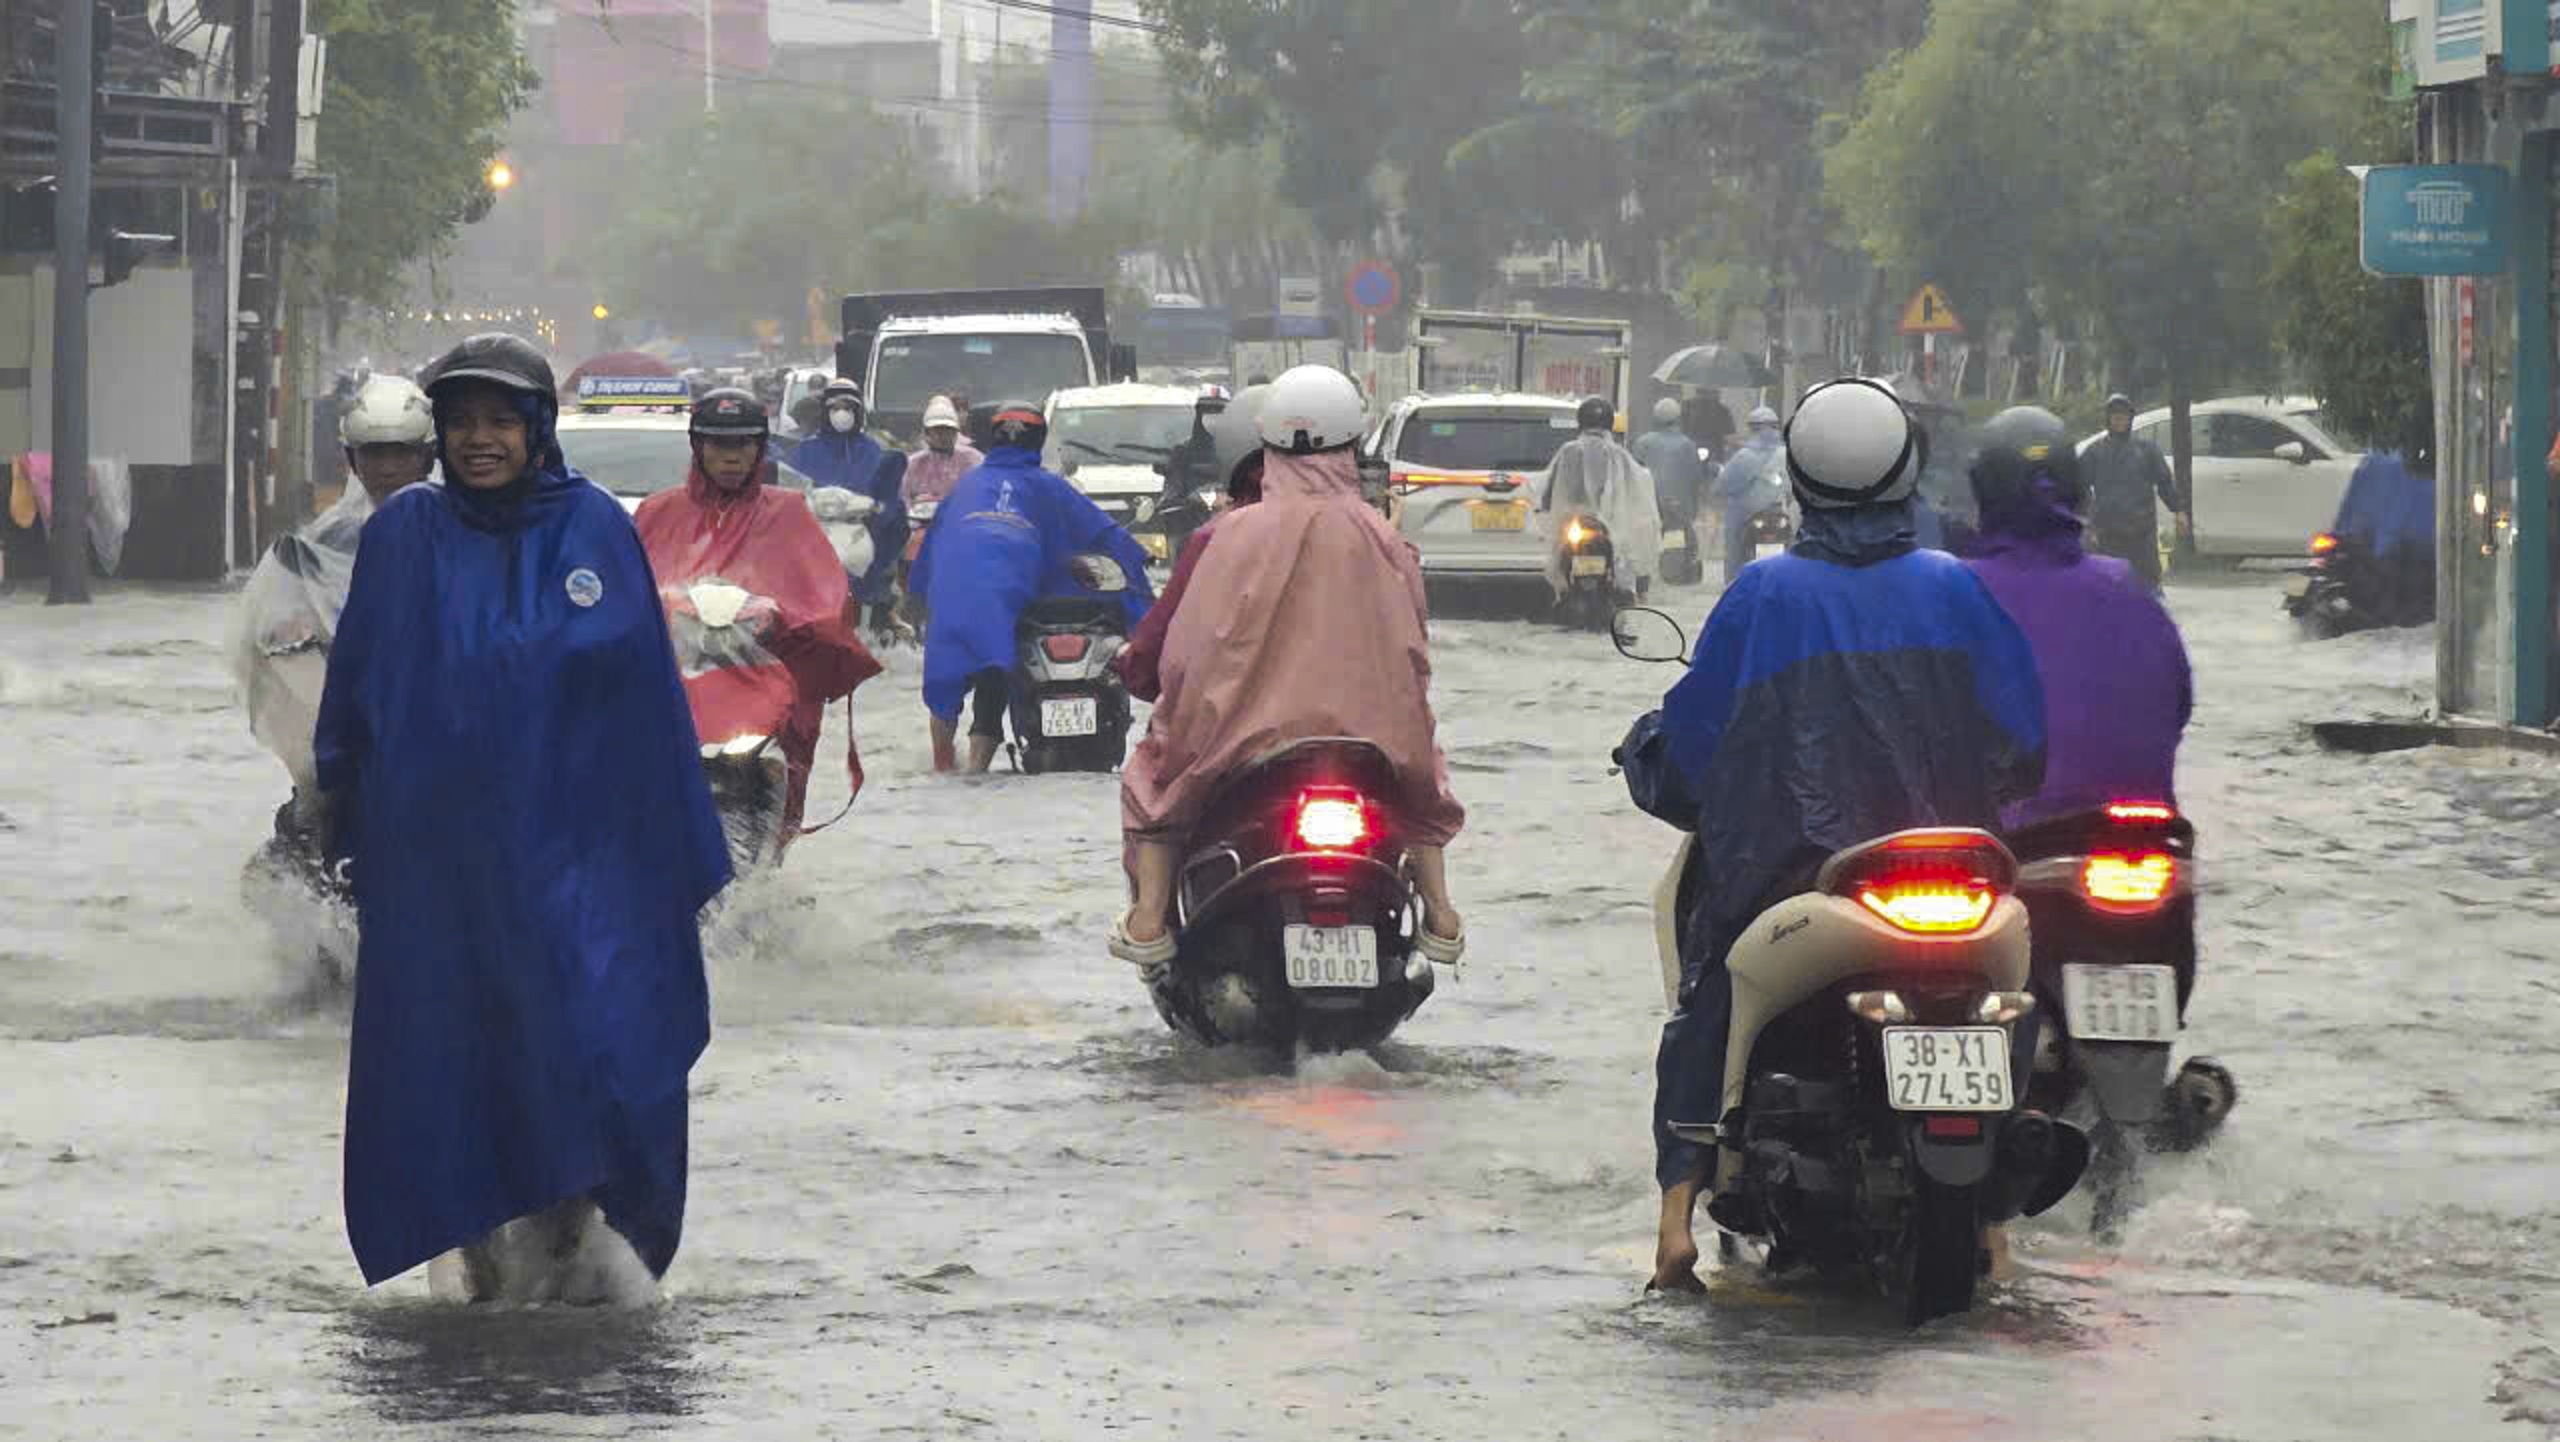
{"x":2323,"y":543}
{"x":1926,"y":883}
{"x":1331,"y":820}
{"x":2133,"y":883}
{"x":1950,"y":1128}
{"x":1066,"y":648}
{"x":2131,"y":812}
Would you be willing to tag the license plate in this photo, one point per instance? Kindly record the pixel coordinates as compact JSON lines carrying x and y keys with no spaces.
{"x":1591,"y":565}
{"x":2121,"y":1003}
{"x":1070,"y":716}
{"x":1947,"y":1068}
{"x":2297,"y":587}
{"x":1330,"y":956}
{"x":1675,"y":541}
{"x":1499,"y":516}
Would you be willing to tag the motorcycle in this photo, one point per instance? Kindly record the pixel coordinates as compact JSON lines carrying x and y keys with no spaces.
{"x":741,"y":696}
{"x":845,"y":515}
{"x":2110,"y":897}
{"x":1294,"y":913}
{"x":2347,"y":588}
{"x":1069,"y":710}
{"x":1772,"y":526}
{"x":1681,"y":563}
{"x":1873,"y":1112}
{"x":1588,"y":557}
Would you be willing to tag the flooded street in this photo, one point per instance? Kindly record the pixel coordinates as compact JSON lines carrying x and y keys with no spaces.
{"x":952,"y":1177}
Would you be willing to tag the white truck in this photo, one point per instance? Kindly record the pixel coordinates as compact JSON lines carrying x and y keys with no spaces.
{"x":984,"y":347}
{"x":1521,"y":353}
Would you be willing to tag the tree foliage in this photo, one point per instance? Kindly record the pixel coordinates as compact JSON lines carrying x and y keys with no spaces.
{"x":2358,"y":340}
{"x":2112,"y":160}
{"x":419,"y":94}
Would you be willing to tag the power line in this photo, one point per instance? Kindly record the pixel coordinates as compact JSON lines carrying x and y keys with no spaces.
{"x":1059,"y":12}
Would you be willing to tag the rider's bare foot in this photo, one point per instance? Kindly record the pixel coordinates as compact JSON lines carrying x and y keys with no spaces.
{"x":1675,"y":1267}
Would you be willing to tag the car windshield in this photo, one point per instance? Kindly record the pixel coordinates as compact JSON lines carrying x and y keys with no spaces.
{"x":913,"y":369}
{"x":630,"y":461}
{"x":1139,"y":435}
{"x":1484,"y":440}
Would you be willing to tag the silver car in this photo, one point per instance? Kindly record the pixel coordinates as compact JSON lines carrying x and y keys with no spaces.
{"x":1465,"y":472}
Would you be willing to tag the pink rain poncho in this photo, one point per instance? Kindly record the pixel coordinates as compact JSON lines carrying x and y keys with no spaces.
{"x":1306,"y":618}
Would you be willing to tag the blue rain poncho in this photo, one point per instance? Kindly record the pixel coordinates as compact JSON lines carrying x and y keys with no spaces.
{"x":1001,"y":540}
{"x":531,"y":838}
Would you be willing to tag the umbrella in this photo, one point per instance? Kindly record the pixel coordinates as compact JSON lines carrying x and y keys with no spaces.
{"x":1712,"y":367}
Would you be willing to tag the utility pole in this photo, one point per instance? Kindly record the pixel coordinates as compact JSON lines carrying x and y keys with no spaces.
{"x":710,"y":86}
{"x":74,"y":49}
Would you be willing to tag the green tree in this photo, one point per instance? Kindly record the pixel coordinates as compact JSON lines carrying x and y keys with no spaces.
{"x":2358,"y":341}
{"x":2117,"y":156}
{"x":419,"y":93}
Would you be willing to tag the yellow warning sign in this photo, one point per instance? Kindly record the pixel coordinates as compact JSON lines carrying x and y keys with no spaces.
{"x":1929,"y":314}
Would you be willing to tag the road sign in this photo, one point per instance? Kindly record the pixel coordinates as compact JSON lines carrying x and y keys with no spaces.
{"x":1929,"y":314}
{"x":1374,"y":287}
{"x":1299,"y":295}
{"x":2435,"y":220}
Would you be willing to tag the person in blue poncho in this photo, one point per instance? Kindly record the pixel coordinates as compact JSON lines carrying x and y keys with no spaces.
{"x":512,"y":771}
{"x":1854,"y":687}
{"x":838,"y":453}
{"x":2385,"y":536}
{"x":1003,"y":538}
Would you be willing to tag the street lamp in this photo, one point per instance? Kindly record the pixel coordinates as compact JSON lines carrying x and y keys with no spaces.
{"x":600,"y":312}
{"x":501,"y":174}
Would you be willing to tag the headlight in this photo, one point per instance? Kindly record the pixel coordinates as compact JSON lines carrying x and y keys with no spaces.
{"x":1146,"y":508}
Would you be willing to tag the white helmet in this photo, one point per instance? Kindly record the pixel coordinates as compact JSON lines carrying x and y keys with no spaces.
{"x":1666,"y":410}
{"x":1852,"y":444}
{"x":1763,"y":416}
{"x":941,"y":412}
{"x":1311,"y":409}
{"x":388,"y":411}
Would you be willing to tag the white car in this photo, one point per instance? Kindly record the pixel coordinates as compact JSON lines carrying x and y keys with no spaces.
{"x":636,"y":453}
{"x":1108,"y":440}
{"x":1465,"y":472}
{"x":2268,"y":474}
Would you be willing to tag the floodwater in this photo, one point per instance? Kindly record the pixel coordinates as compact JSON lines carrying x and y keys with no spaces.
{"x":953,"y":1179}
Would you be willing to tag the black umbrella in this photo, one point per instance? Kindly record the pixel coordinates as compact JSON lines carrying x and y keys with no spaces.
{"x":1711,"y":367}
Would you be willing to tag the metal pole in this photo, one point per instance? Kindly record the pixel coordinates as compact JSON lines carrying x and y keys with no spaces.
{"x":710,"y":90}
{"x":74,"y":41}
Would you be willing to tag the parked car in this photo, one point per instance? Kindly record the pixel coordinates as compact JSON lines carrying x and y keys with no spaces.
{"x":2268,"y":473}
{"x":1464,"y":472}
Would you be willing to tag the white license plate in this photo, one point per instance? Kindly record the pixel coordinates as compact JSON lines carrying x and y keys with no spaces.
{"x":1675,"y":540}
{"x":2297,"y":587}
{"x":1330,"y":956}
{"x":1947,"y":1068}
{"x":1591,"y":565}
{"x":2121,"y":1003}
{"x":1070,"y":716}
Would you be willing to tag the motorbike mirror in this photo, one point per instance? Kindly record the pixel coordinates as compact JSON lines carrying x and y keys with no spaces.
{"x":1642,"y":633}
{"x":1101,"y":573}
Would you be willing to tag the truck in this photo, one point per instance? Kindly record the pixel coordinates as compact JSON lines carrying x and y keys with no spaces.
{"x":984,"y":347}
{"x":1568,"y":357}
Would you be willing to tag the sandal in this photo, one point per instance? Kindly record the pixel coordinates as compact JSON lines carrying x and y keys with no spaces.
{"x":1434,"y":947}
{"x":1141,"y":953}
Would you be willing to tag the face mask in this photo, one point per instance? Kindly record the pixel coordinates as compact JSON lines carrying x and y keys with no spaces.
{"x":843,"y":420}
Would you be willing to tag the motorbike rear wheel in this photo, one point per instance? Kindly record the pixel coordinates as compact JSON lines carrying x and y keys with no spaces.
{"x":1941,"y":1253}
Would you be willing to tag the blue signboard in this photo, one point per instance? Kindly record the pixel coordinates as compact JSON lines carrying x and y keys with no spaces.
{"x":633,"y":391}
{"x":2435,"y":220}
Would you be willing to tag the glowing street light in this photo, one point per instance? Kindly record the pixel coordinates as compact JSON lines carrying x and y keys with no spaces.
{"x":501,"y":175}
{"x":600,"y":312}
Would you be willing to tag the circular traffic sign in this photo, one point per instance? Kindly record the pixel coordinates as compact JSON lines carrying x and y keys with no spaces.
{"x":1374,"y":287}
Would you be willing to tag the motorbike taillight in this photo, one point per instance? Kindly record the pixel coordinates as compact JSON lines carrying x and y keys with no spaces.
{"x":2323,"y":543}
{"x":1331,"y":819}
{"x":1926,"y":883}
{"x":1066,"y":648}
{"x":2129,"y":883}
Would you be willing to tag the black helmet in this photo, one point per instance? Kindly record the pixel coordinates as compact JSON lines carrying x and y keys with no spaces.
{"x":2031,"y":431}
{"x":1595,"y":414}
{"x":2026,"y":473}
{"x":498,"y":358}
{"x":1019,"y":423}
{"x":730,"y":411}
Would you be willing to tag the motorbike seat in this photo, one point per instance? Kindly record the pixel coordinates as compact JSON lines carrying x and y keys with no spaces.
{"x":1072,"y":613}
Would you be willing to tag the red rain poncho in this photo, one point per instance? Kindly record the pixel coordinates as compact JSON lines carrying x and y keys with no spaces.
{"x":799,"y":652}
{"x":1306,"y":618}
